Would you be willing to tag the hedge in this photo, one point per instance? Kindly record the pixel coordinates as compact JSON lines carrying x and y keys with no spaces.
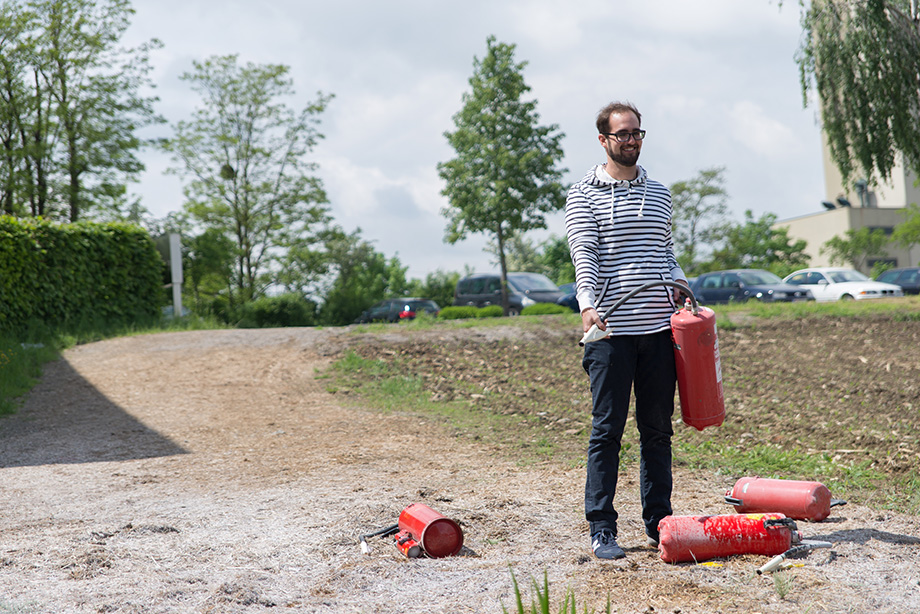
{"x":63,"y":275}
{"x":495,"y":311}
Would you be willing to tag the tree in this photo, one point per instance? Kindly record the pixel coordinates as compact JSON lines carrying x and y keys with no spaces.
{"x":907,"y":233}
{"x":699,"y":211}
{"x":504,"y":178}
{"x":755,"y":244}
{"x":856,"y":247}
{"x":361,"y":276}
{"x":70,"y":107}
{"x":863,"y":57}
{"x":520,"y":253}
{"x":245,"y":155}
{"x":438,"y":286}
{"x":557,"y":260}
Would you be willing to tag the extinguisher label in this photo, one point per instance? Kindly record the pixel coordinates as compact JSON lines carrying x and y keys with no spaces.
{"x":718,"y":358}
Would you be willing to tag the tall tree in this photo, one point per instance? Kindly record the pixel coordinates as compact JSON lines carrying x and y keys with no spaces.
{"x":15,"y":47}
{"x":699,"y":211}
{"x":504,"y":178}
{"x":94,"y":88}
{"x":756,"y":244}
{"x":244,"y":154}
{"x":70,"y":106}
{"x":863,"y":57}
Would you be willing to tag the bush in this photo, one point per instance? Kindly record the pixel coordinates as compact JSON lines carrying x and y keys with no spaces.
{"x":461,"y":312}
{"x":542,"y":309}
{"x":278,"y":311}
{"x":492,"y":311}
{"x":68,"y":275}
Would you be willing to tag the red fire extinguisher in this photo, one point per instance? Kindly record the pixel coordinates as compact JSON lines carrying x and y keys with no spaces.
{"x":699,"y":538}
{"x":696,"y":355}
{"x":796,"y":499}
{"x":437,"y":535}
{"x":699,"y":367}
{"x":421,"y":531}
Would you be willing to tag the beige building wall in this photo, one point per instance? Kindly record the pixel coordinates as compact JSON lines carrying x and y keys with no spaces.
{"x":880,"y":206}
{"x":818,"y":228}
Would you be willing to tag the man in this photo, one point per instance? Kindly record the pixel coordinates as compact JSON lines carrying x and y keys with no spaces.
{"x":618,"y":223}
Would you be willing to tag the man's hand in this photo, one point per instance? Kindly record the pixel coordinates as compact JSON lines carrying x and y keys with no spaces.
{"x":589,"y":318}
{"x":678,"y":294}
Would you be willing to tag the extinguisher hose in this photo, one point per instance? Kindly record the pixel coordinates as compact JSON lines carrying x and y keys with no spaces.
{"x":390,"y":530}
{"x":595,"y":333}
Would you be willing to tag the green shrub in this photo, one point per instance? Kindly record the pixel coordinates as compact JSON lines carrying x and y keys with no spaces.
{"x":458,"y":312}
{"x":492,"y":311}
{"x":71,"y":275}
{"x":278,"y":311}
{"x":542,"y":309}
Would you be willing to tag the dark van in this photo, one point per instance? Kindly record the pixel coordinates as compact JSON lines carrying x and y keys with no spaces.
{"x":524,"y":289}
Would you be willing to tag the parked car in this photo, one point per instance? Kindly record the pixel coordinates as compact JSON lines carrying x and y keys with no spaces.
{"x":841,"y":284}
{"x":397,"y":310}
{"x":524,"y":289}
{"x":740,"y":285}
{"x":907,"y":277}
{"x":568,"y":297}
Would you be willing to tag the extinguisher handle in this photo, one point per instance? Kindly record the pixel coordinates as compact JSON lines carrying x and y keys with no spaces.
{"x":836,"y":502}
{"x":733,"y":500}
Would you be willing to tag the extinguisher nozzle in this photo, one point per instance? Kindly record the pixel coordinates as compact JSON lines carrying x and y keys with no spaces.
{"x":365,"y":549}
{"x":594,"y":334}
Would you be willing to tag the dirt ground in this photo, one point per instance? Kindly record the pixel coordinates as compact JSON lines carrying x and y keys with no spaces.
{"x":213,"y":471}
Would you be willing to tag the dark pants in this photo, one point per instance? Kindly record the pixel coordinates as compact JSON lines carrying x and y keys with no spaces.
{"x":614,"y":365}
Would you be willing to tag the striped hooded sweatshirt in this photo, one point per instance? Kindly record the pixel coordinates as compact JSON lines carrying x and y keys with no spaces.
{"x":619,"y":233}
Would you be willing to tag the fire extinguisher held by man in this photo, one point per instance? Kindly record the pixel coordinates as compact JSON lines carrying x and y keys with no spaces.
{"x":618,"y":224}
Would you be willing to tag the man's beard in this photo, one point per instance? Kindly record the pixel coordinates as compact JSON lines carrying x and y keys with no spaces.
{"x":628,"y":158}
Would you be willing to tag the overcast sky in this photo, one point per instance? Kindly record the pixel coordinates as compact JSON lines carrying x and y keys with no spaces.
{"x":716,"y":82}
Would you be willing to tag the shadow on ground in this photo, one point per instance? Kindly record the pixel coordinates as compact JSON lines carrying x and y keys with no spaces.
{"x":79,"y":426}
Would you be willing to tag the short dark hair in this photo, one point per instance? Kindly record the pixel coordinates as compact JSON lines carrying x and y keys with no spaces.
{"x":603,"y":116}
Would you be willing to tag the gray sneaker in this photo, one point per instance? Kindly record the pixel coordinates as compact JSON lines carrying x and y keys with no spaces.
{"x":652,"y":542}
{"x":604,"y":544}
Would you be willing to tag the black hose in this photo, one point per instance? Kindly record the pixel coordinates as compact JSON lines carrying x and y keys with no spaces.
{"x":390,"y":530}
{"x":652,"y":284}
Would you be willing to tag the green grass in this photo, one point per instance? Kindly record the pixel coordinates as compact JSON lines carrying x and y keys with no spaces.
{"x":20,"y":367}
{"x":540,"y":601}
{"x":904,"y":309}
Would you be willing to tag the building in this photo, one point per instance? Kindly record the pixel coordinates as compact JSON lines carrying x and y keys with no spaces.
{"x":863,"y":206}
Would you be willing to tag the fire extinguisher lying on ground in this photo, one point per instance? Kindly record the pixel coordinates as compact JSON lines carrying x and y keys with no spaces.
{"x":795,"y":499}
{"x":686,"y":539}
{"x":421,"y":531}
{"x":696,"y":356}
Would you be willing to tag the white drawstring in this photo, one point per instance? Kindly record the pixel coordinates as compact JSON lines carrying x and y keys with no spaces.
{"x":644,"y":190}
{"x":613,"y":187}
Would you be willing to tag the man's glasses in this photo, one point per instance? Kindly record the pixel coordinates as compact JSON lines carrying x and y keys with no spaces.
{"x":623,"y":137}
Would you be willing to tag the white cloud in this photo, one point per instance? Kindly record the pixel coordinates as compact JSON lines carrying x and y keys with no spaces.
{"x":752,"y":128}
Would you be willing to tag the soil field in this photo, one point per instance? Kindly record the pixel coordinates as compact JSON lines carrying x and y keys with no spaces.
{"x":225,"y":471}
